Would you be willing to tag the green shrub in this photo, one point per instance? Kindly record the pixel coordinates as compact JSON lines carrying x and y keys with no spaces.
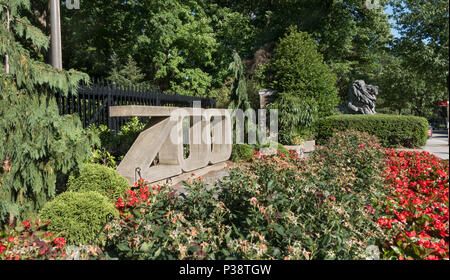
{"x":113,"y":146}
{"x":128,"y":134}
{"x":99,"y":178}
{"x":391,"y":130}
{"x":296,"y":116}
{"x":107,"y":138}
{"x":78,"y":216}
{"x":241,"y":153}
{"x":298,"y":68}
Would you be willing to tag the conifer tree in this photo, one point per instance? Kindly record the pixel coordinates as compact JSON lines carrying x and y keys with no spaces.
{"x":128,"y":74}
{"x":239,"y":96}
{"x":36,"y":143}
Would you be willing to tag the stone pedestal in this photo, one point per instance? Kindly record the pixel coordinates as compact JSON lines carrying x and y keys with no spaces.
{"x":305,"y":148}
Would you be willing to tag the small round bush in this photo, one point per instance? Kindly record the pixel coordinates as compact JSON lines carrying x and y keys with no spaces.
{"x":242,"y":153}
{"x":78,"y":216}
{"x":99,"y":178}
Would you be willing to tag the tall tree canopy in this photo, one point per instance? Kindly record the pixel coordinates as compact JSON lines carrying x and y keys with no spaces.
{"x":416,"y":75}
{"x":186,"y":46}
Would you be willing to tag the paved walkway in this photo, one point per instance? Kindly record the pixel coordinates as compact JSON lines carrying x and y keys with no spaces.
{"x":438,"y":144}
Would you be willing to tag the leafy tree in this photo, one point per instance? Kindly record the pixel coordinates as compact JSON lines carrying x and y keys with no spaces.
{"x":186,"y":46}
{"x":351,"y":37}
{"x":37,"y":143}
{"x":421,"y":56}
{"x":99,"y":30}
{"x":171,"y":41}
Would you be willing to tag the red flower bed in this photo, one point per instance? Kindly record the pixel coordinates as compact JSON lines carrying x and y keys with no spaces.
{"x":31,"y":241}
{"x":416,"y":211}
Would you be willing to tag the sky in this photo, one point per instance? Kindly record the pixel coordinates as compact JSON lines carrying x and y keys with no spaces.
{"x":394,"y":31}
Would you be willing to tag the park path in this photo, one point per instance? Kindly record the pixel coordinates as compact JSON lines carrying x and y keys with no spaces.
{"x":437,"y":145}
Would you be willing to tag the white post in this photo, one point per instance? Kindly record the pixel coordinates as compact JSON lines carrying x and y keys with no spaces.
{"x":56,"y":51}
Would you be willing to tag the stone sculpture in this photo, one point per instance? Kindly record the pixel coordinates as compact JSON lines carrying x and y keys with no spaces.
{"x":361,"y":99}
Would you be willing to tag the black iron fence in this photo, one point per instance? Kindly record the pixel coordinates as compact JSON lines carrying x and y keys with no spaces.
{"x":92,"y":102}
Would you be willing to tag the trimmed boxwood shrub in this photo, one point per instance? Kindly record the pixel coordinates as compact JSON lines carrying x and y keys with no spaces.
{"x":391,"y":130}
{"x":242,"y":152}
{"x":99,"y":178}
{"x":78,"y":216}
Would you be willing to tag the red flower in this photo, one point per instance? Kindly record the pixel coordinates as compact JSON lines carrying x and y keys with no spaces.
{"x":418,"y":186}
{"x":26,"y":224}
{"x":59,"y":242}
{"x":2,"y":248}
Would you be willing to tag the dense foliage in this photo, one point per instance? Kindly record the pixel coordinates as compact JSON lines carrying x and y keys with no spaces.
{"x":113,"y":147}
{"x":78,"y":216}
{"x":296,"y":117}
{"x":305,"y":84}
{"x":351,"y":199}
{"x":298,"y":69}
{"x":31,"y":241}
{"x":391,"y":130}
{"x":242,"y":152}
{"x":159,"y":37}
{"x":38,"y":145}
{"x":99,"y":178}
{"x":353,"y":36}
{"x":415,"y":75}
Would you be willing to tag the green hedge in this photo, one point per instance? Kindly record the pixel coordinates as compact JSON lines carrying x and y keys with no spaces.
{"x":391,"y":130}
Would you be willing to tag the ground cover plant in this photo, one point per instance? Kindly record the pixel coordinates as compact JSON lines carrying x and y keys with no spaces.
{"x":30,"y":241}
{"x":33,"y":240}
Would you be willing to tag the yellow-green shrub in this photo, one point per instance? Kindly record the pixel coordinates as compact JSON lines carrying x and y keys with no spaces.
{"x":99,"y":178}
{"x":78,"y":216}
